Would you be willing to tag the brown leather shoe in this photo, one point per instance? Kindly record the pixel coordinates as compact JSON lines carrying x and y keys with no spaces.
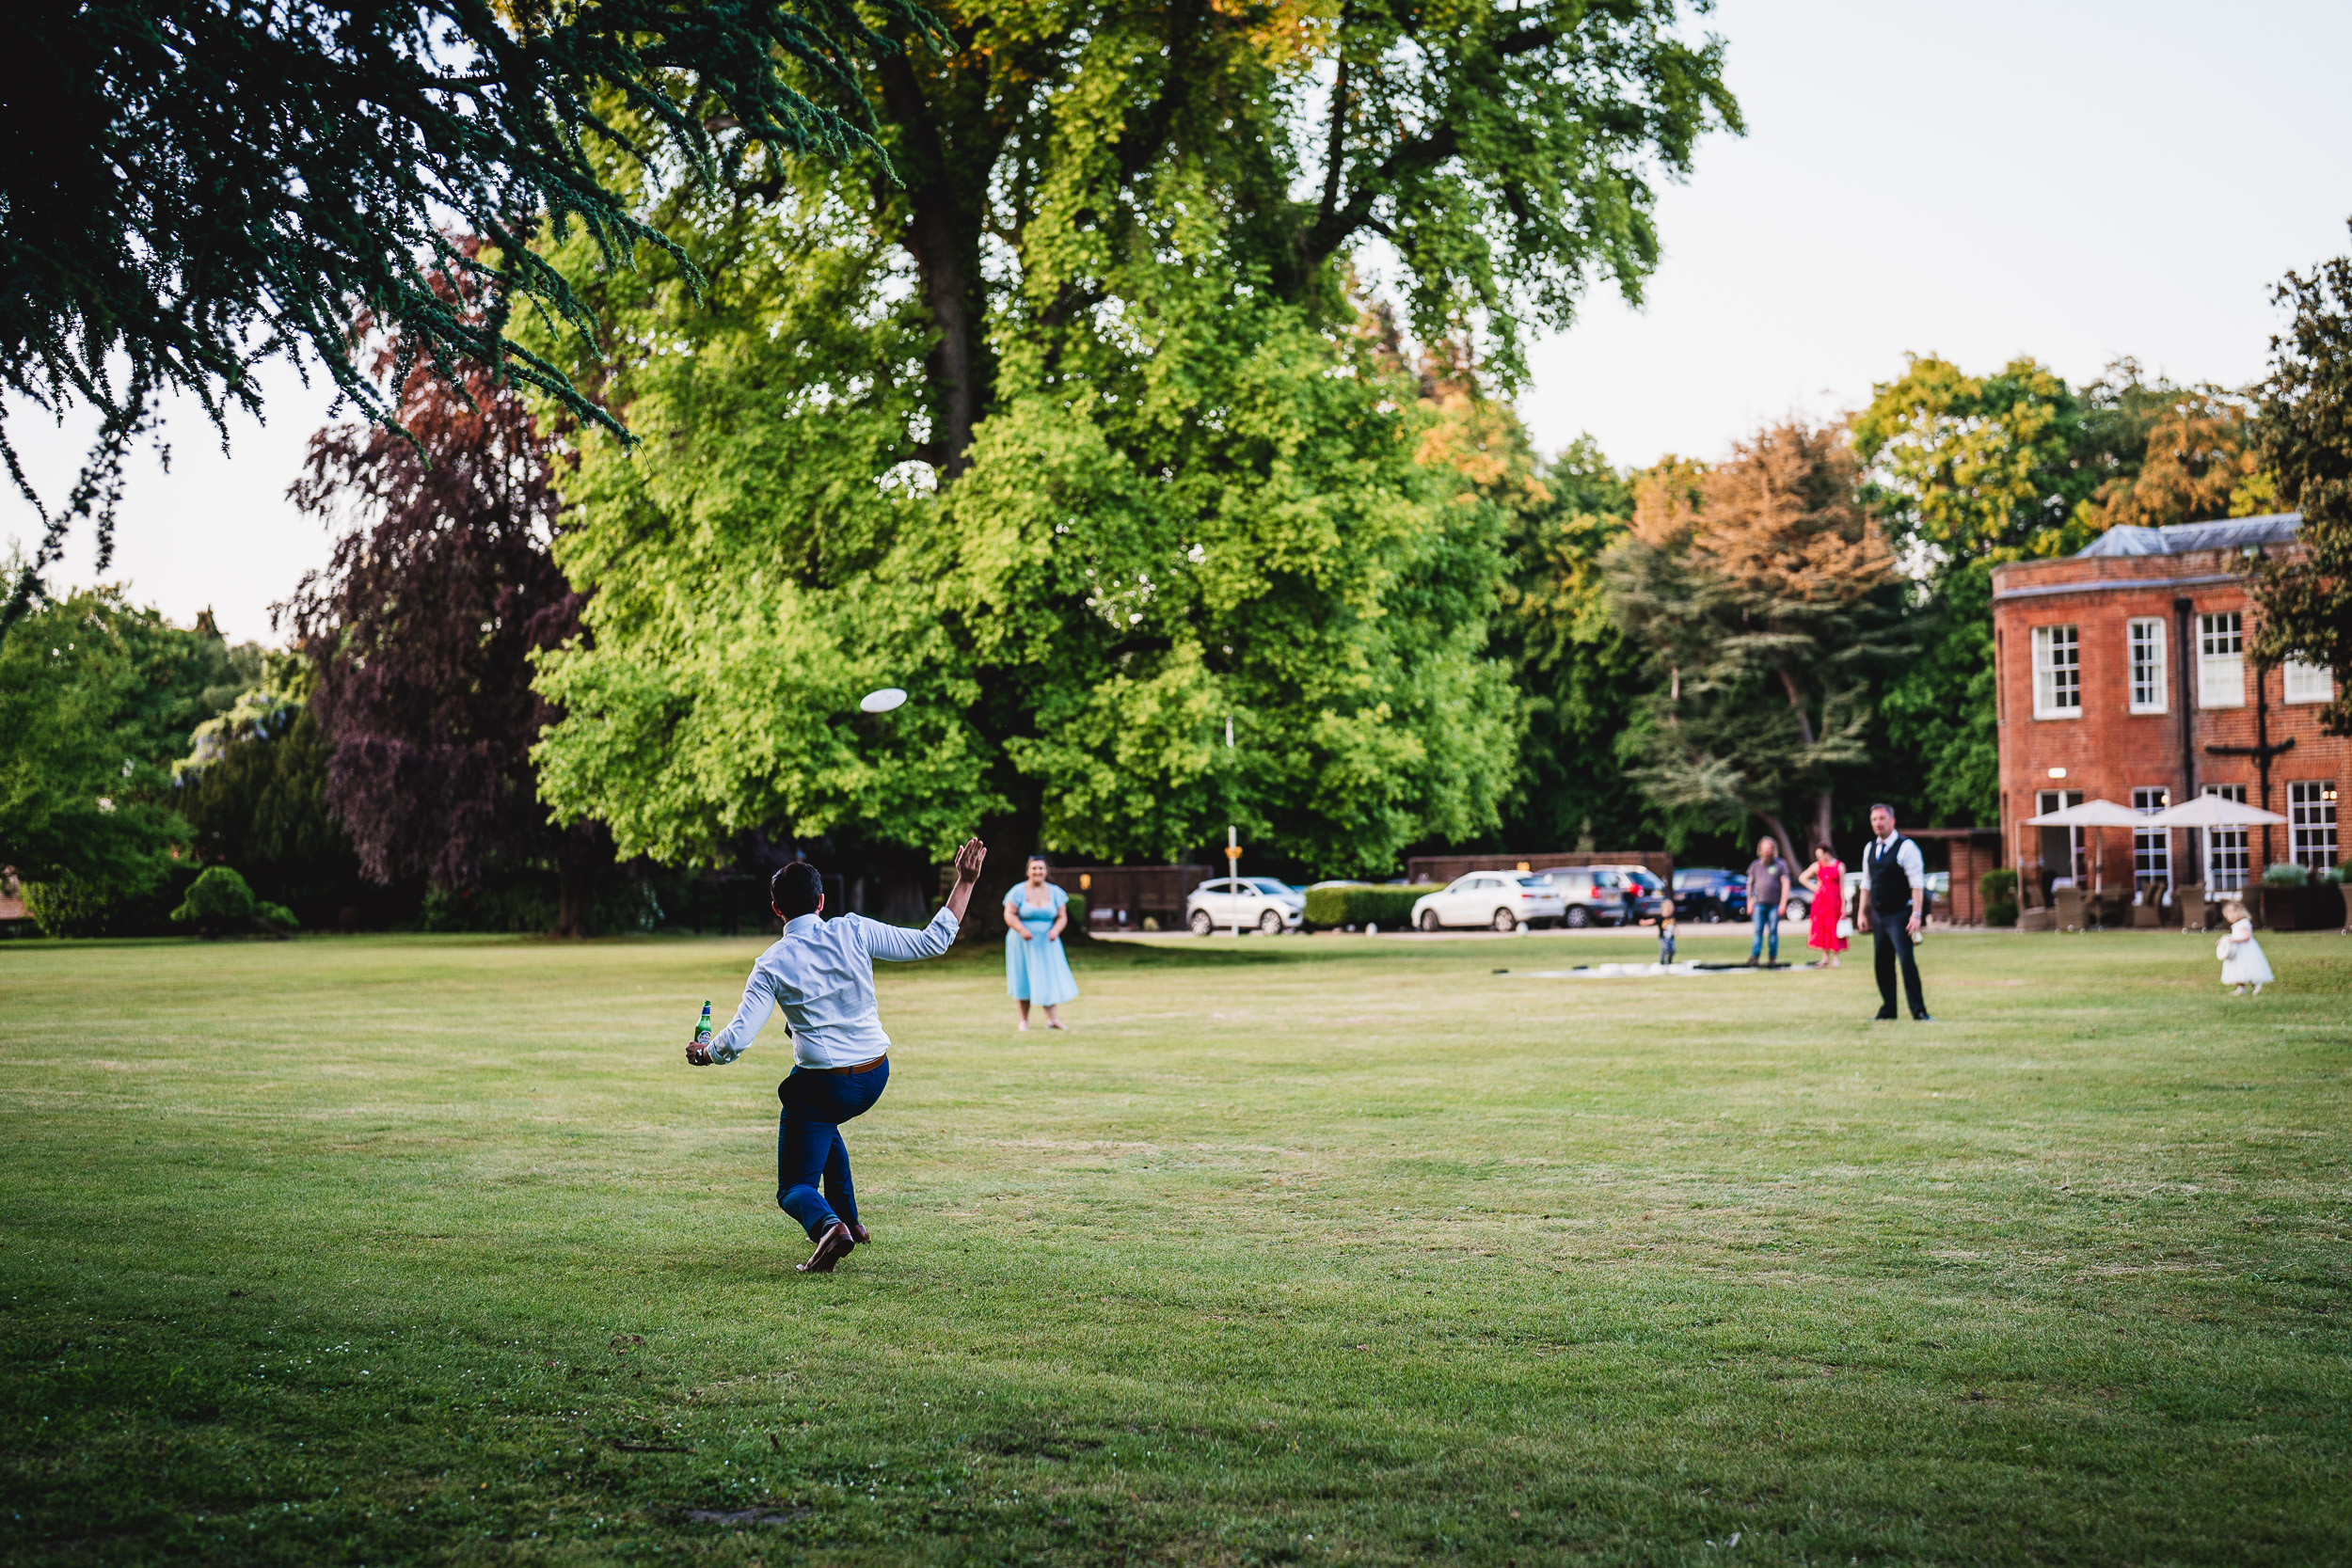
{"x":832,"y":1247}
{"x":858,"y":1233}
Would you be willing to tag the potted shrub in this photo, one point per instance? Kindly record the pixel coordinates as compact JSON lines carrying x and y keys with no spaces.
{"x":2293,"y":899}
{"x":1999,"y":890}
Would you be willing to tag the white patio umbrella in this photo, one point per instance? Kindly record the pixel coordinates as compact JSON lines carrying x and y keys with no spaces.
{"x":2211,"y":810}
{"x":2094,"y":814}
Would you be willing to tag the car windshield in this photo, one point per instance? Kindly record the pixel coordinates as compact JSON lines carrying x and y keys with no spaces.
{"x":1534,"y":881}
{"x":1646,"y":881}
{"x":1266,"y":884}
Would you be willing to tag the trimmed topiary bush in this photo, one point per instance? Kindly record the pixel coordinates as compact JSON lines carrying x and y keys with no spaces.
{"x":2000,"y":912}
{"x":2287,"y":874}
{"x":220,"y":901}
{"x":1328,"y":907}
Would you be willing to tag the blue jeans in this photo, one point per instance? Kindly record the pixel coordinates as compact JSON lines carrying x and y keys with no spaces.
{"x":1766,"y":920}
{"x":809,"y":1146}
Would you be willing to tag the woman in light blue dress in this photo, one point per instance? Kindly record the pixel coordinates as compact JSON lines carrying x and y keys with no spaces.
{"x":1036,"y":969}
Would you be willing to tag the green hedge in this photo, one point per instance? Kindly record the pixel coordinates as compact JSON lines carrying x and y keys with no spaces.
{"x":1358,"y":906}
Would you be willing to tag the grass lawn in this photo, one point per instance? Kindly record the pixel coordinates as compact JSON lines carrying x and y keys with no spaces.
{"x":1330,"y":1250}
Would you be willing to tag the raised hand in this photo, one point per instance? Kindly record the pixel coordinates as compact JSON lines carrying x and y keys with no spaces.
{"x":969,"y":859}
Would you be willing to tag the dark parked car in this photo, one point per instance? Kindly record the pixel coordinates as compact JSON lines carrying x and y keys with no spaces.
{"x":1712,"y":894}
{"x":1595,"y":895}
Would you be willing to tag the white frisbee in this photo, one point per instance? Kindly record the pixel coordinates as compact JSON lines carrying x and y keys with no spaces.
{"x":882,"y":701}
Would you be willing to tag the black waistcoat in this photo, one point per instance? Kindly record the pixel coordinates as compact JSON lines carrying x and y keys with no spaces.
{"x":1890,"y":884}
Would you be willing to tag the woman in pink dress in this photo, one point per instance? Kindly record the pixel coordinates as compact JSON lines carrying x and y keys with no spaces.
{"x":1826,"y":879}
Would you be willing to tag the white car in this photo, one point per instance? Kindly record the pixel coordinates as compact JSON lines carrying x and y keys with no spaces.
{"x":1258,"y":903}
{"x":1505,"y":900}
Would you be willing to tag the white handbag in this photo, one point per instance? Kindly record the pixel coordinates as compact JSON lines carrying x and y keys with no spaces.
{"x":1845,"y":926}
{"x":2221,"y":949}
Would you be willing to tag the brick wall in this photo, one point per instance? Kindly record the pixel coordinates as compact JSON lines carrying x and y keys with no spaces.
{"x":2107,"y":750}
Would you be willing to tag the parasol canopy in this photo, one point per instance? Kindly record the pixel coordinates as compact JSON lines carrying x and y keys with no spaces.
{"x":2097,"y":814}
{"x":2212,"y":811}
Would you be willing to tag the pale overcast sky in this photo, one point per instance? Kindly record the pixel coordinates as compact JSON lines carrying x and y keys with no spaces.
{"x":2072,"y":180}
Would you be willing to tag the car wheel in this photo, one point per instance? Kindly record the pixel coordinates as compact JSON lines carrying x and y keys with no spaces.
{"x":1271,"y":923}
{"x":1428,"y":920}
{"x":1577,"y":918}
{"x":1800,"y":908}
{"x":1714,"y":917}
{"x":1505,"y":921}
{"x":1202,"y":925}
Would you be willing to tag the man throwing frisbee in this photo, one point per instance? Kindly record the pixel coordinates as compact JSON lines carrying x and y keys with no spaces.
{"x":822,"y":973}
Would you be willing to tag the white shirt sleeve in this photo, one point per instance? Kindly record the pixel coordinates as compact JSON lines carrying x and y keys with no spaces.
{"x":750,"y":1017}
{"x":899,"y":945}
{"x":1915,"y":868}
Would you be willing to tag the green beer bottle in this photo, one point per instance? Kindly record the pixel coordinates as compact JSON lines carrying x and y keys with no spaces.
{"x":702,"y":1030}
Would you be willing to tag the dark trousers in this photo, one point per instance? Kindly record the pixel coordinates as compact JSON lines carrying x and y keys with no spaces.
{"x":809,"y":1146}
{"x":1890,"y":935}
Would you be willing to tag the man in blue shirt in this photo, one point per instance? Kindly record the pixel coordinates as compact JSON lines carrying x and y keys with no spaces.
{"x":821,"y":972}
{"x":1768,"y":898}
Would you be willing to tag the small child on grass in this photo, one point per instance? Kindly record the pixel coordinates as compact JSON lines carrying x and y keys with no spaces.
{"x":1665,"y":924}
{"x":2241,"y":956}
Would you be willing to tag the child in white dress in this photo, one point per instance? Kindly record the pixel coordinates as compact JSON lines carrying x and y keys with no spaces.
{"x":2241,"y":956}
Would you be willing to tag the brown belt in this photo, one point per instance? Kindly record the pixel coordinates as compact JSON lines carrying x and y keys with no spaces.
{"x":862,"y":1067}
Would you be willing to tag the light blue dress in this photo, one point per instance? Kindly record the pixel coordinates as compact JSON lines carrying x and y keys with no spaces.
{"x":1037,"y":971}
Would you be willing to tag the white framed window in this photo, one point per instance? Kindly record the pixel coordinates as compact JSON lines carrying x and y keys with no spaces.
{"x":2144,"y":639}
{"x":2152,"y":847}
{"x":2225,"y":847}
{"x":2058,"y":672}
{"x":2077,"y":857}
{"x":2312,"y":822}
{"x":2310,"y":683}
{"x":2221,"y":661}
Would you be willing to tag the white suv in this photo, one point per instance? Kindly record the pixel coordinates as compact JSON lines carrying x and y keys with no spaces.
{"x":1505,"y":900}
{"x":1257,"y":902}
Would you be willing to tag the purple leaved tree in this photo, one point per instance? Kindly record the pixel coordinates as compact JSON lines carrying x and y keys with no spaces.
{"x":421,"y":628}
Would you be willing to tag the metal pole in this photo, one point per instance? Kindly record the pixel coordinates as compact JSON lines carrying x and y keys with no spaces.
{"x":1233,"y":874}
{"x":1232,"y":845}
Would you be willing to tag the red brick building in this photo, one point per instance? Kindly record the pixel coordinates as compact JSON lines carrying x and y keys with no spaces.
{"x":2124,"y":675}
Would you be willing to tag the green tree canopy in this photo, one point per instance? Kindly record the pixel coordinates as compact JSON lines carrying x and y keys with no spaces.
{"x":1766,"y":598}
{"x":96,"y":700}
{"x":2305,"y":429}
{"x":1087,"y":438}
{"x":193,"y":185}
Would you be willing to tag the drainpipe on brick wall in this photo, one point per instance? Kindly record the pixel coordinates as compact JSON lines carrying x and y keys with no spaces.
{"x":2182,"y":628}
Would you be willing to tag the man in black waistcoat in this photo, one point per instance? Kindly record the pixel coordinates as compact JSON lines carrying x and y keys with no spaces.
{"x":1893,"y":903}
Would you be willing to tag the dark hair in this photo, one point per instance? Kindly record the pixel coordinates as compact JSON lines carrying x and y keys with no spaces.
{"x":1042,"y":861}
{"x":797,"y":889}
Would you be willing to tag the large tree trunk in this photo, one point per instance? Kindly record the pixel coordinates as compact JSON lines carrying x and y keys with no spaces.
{"x":946,"y":200}
{"x":1821,"y":802}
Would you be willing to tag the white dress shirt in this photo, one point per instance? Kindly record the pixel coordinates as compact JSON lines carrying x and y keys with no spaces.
{"x":822,"y":973}
{"x":1907,"y":857}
